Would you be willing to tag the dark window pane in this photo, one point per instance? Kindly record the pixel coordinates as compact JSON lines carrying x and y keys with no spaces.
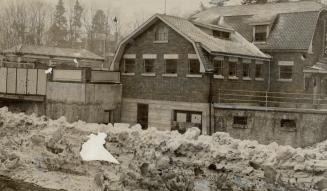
{"x":260,"y":36}
{"x":221,"y":34}
{"x":218,"y":67}
{"x":129,"y":65}
{"x":171,"y":66}
{"x":194,"y":66}
{"x":246,"y":70}
{"x":285,"y":72}
{"x":161,"y":34}
{"x":149,"y":66}
{"x":258,"y":71}
{"x":232,"y":68}
{"x":240,"y":120}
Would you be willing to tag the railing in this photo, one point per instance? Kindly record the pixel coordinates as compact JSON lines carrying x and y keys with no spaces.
{"x":271,"y":99}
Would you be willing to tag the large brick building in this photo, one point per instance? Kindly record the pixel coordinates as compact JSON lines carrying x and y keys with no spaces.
{"x":166,"y":66}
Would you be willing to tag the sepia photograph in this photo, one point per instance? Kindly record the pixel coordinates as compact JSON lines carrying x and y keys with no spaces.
{"x":163,"y":95}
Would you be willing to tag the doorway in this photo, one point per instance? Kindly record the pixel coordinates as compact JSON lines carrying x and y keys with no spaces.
{"x":143,"y":115}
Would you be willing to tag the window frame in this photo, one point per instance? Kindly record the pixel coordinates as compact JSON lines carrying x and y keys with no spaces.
{"x":265,"y":34}
{"x":248,"y":76}
{"x":229,"y":69}
{"x":134,"y":64}
{"x":221,"y":34}
{"x":261,"y":76}
{"x":161,"y":30}
{"x":189,"y":66}
{"x":176,"y":62}
{"x":221,"y":63}
{"x":144,"y":65}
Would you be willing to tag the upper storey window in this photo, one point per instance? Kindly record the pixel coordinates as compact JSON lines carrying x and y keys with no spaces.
{"x":260,"y":33}
{"x":221,"y":34}
{"x":161,"y":34}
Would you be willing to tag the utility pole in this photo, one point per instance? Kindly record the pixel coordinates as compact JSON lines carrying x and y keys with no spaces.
{"x":165,"y":7}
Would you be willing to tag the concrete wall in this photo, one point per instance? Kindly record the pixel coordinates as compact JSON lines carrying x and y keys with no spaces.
{"x":265,"y":127}
{"x":83,"y":101}
{"x":161,"y":112}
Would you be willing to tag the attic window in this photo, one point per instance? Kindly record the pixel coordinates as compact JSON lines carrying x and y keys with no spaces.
{"x":221,"y":34}
{"x":260,"y":33}
{"x":161,"y":34}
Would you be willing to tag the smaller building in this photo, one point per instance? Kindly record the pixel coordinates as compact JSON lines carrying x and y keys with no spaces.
{"x":30,"y":56}
{"x":59,"y":82}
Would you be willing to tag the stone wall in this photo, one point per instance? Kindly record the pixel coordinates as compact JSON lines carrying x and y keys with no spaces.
{"x":265,"y":126}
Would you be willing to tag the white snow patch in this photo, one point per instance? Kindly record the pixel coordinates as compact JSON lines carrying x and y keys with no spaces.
{"x":93,"y":149}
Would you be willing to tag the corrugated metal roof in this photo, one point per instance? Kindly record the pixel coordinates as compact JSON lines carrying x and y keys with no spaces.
{"x":235,"y":45}
{"x":293,"y":23}
{"x":53,"y":51}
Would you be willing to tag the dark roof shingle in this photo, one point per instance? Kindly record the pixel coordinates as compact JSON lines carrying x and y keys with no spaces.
{"x":53,"y":51}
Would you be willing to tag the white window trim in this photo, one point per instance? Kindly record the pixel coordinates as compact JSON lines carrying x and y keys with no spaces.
{"x":233,"y":78}
{"x":258,"y":62}
{"x":148,"y":74}
{"x":233,"y":59}
{"x":194,"y":75}
{"x":129,"y":56}
{"x":219,"y":58}
{"x":128,"y":74}
{"x":171,"y":56}
{"x":246,"y":61}
{"x":259,"y":79}
{"x":247,"y":78}
{"x":192,"y":56}
{"x":149,"y":56}
{"x":169,"y":75}
{"x":218,"y":76}
{"x":285,"y":63}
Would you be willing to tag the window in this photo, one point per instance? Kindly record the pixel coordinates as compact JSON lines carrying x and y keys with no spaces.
{"x":221,"y":34}
{"x":194,"y":66}
{"x":171,"y":66}
{"x":258,"y":71}
{"x":149,"y":65}
{"x":246,"y":70}
{"x":288,"y":125}
{"x":240,"y":122}
{"x":184,"y":120}
{"x":232,"y":69}
{"x":260,"y":33}
{"x":129,"y":65}
{"x":218,"y":67}
{"x":285,"y":72}
{"x":161,"y":34}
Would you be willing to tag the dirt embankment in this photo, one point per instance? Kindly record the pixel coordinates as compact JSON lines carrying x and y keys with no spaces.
{"x":46,"y":153}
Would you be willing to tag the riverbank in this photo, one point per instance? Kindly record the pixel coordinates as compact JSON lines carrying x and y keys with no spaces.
{"x":46,"y":153}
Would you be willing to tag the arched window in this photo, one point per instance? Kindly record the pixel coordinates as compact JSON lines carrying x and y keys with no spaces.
{"x":161,"y":34}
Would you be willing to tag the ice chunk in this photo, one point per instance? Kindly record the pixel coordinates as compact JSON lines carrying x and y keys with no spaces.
{"x":93,"y":149}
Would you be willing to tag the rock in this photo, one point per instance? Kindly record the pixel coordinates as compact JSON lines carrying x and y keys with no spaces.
{"x":38,"y":140}
{"x":322,"y":184}
{"x":269,"y":174}
{"x":254,"y":165}
{"x":163,"y":162}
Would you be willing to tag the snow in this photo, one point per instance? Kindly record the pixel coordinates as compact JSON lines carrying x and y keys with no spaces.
{"x":93,"y":149}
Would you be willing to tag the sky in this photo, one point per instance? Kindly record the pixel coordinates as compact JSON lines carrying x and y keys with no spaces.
{"x":129,"y":11}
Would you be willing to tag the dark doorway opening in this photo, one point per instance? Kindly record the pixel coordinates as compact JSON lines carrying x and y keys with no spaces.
{"x":143,"y":115}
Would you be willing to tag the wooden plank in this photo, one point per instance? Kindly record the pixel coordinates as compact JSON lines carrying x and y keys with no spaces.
{"x":41,"y":82}
{"x":67,"y":75}
{"x":3,"y":79}
{"x":31,"y":81}
{"x":21,"y":81}
{"x":11,"y":80}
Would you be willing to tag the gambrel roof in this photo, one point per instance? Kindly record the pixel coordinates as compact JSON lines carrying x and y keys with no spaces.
{"x":236,"y":45}
{"x":293,"y":24}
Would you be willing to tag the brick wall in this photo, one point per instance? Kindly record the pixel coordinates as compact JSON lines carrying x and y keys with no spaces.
{"x":158,"y":87}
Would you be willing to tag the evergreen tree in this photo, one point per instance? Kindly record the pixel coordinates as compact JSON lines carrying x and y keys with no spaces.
{"x":98,"y":34}
{"x":77,"y":24}
{"x":99,"y":22}
{"x":58,"y":29}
